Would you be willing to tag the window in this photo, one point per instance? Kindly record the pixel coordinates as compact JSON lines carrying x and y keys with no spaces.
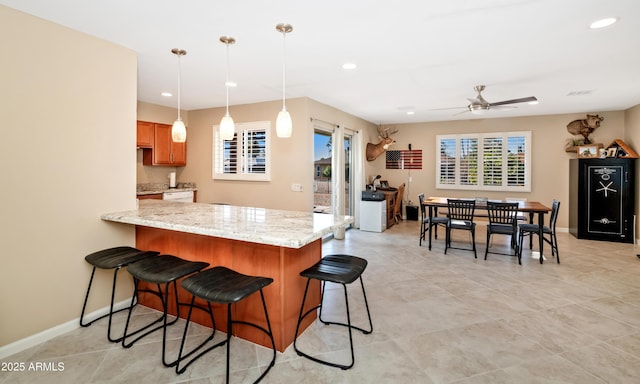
{"x":246,"y":156}
{"x":489,"y":161}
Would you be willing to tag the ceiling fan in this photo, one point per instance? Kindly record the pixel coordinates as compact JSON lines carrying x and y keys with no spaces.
{"x":479,"y":104}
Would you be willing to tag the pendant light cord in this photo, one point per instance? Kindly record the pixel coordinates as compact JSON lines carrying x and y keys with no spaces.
{"x":179,"y":84}
{"x":284,"y":66}
{"x":226,"y":84}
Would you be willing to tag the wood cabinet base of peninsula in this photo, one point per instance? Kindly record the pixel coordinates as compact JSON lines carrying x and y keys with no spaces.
{"x":283,"y":296}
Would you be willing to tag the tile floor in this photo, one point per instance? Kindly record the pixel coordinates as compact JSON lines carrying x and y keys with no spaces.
{"x":437,"y":319}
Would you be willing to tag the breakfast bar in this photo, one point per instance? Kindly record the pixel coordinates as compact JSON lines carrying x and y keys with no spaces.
{"x":253,"y":241}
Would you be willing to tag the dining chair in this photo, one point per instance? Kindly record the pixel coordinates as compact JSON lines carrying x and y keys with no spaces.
{"x":548,"y":232}
{"x":461,"y":213}
{"x":522,"y":216}
{"x":427,"y":224}
{"x":503,"y":219}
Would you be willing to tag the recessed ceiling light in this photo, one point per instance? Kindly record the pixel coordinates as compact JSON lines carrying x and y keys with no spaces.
{"x":411,"y":112}
{"x":535,"y":102}
{"x":349,"y":66}
{"x":231,"y":84}
{"x":167,"y":94}
{"x":602,"y":23}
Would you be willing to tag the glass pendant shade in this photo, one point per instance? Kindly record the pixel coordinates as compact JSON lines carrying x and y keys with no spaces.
{"x":178,"y":131}
{"x":283,"y":124}
{"x":227,"y":128}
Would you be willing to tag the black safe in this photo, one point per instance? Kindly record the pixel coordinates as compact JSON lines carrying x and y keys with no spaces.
{"x":602,"y":199}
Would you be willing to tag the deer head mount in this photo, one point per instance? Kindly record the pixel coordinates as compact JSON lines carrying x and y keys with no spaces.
{"x":375,"y":150}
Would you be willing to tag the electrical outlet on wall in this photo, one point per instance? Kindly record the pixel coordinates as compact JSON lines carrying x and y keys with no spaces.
{"x":296,"y":187}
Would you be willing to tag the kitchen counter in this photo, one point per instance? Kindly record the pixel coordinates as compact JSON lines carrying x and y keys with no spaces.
{"x":253,"y":241}
{"x":258,"y":225}
{"x":157,"y":188}
{"x":163,"y":190}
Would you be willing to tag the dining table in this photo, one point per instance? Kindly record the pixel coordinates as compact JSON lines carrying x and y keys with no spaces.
{"x":531,"y":208}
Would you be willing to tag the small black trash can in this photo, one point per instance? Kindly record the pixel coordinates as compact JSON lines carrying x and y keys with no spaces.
{"x":412,"y":212}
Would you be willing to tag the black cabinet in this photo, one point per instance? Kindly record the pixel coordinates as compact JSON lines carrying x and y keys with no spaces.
{"x":602,"y":199}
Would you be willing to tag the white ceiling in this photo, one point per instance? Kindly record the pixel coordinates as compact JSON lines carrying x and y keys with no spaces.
{"x":415,"y":55}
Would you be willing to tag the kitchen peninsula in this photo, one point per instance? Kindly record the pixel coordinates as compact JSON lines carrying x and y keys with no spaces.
{"x":254,"y":241}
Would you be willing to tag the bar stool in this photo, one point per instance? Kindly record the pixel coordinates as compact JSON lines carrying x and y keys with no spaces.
{"x":111,"y":258}
{"x":224,"y":286}
{"x":341,"y":269}
{"x":160,"y":269}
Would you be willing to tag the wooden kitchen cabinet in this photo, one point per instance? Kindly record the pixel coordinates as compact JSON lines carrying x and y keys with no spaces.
{"x":144,"y":134}
{"x":390,"y":197}
{"x":152,"y":196}
{"x":164,"y":150}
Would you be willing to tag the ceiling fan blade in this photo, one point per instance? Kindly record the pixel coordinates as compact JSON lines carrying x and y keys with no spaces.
{"x":503,"y":107}
{"x":444,"y":109}
{"x":466,"y":110}
{"x":514,"y":101}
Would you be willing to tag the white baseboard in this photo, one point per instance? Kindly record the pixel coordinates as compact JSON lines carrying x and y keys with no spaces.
{"x":48,"y":334}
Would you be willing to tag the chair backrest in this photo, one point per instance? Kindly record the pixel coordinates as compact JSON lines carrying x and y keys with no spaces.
{"x":422,"y":207}
{"x":502,"y":213}
{"x":460,"y":209}
{"x":555,"y":207}
{"x":397,"y":209}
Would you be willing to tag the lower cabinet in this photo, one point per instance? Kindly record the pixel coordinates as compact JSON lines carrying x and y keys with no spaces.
{"x":153,"y":196}
{"x":390,"y":197}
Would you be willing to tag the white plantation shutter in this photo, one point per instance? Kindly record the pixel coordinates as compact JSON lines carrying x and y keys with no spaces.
{"x":468,"y":161}
{"x":447,"y":161}
{"x":516,"y":165}
{"x":246,"y":156}
{"x":492,"y":161}
{"x":498,"y":161}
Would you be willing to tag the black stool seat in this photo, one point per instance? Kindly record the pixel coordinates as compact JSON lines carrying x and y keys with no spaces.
{"x":223,"y":285}
{"x":117,"y":257}
{"x":164,"y":269}
{"x":341,"y":269}
{"x":111,"y":258}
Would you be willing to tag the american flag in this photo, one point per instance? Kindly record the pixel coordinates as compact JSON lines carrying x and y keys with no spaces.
{"x":404,"y":159}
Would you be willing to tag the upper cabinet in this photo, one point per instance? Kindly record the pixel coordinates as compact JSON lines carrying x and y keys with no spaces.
{"x":164,"y":151}
{"x":144,"y":137}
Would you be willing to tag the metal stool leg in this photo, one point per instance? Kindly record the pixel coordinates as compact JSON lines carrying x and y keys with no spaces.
{"x":348,"y":324}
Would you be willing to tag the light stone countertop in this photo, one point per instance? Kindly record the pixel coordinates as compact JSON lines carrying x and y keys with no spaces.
{"x":291,"y":229}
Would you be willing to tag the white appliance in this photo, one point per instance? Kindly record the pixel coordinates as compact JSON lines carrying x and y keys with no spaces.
{"x":172,"y":180}
{"x":373,"y":216}
{"x":181,"y":196}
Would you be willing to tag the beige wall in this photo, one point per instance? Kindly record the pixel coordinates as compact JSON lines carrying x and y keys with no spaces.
{"x":68,"y":137}
{"x":550,"y":166}
{"x":292,"y":158}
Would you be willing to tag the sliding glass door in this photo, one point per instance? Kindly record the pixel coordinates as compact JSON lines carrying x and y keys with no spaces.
{"x":324,"y":175}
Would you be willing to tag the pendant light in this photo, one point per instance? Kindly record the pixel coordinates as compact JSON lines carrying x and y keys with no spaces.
{"x":227,"y":127}
{"x":178,"y":130}
{"x":283,"y":122}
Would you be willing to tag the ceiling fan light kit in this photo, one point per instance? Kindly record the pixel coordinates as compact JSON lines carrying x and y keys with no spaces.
{"x":479,"y":105}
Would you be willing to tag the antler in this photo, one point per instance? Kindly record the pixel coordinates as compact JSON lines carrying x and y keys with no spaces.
{"x":384,"y":133}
